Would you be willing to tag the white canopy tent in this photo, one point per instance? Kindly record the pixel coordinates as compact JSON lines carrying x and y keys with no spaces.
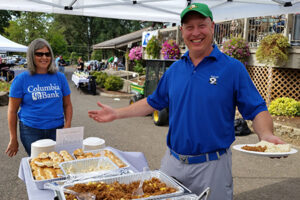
{"x":7,"y":45}
{"x":154,"y":10}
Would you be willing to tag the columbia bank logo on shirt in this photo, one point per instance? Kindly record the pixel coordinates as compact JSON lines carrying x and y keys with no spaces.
{"x":43,"y":92}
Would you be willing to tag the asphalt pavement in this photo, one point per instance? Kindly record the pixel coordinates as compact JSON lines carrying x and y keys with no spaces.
{"x":255,"y":177}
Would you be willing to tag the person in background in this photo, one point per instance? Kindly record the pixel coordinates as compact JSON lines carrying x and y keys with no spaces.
{"x":43,"y":96}
{"x":279,"y":26}
{"x":110,"y":62}
{"x":61,"y":64}
{"x":56,"y":61}
{"x":202,"y":91}
{"x":115,"y":63}
{"x":80,"y":64}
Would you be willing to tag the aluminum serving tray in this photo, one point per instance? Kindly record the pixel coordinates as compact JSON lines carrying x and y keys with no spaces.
{"x":184,"y":197}
{"x":114,"y":152}
{"x":128,"y":178}
{"x":86,"y":166}
{"x":40,"y":184}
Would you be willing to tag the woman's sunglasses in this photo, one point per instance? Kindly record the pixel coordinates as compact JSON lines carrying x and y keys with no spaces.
{"x":41,"y":54}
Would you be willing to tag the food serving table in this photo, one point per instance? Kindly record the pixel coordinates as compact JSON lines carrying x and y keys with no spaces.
{"x":136,"y":160}
{"x":77,"y":80}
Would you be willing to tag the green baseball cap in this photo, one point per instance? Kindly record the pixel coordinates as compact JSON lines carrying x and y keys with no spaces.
{"x":201,"y":8}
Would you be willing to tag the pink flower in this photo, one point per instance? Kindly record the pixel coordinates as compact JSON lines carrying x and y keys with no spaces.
{"x":170,"y":50}
{"x":135,"y":53}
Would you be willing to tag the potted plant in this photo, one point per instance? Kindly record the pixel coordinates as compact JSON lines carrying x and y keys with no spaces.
{"x":153,"y":48}
{"x":273,"y":50}
{"x":237,"y":48}
{"x":170,"y":50}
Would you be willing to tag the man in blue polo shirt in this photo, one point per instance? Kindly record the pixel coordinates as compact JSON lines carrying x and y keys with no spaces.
{"x":202,"y":90}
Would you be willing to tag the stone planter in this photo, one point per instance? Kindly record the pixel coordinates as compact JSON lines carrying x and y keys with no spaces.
{"x":3,"y":98}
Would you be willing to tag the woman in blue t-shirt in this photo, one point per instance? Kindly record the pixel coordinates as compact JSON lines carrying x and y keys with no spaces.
{"x":43,"y":94}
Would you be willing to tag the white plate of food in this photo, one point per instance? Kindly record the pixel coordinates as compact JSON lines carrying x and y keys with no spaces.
{"x":267,"y":154}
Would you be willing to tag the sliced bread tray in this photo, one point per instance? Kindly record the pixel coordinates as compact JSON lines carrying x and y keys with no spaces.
{"x":45,"y":168}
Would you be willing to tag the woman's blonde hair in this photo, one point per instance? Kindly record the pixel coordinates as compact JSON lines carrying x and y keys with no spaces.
{"x":35,"y":45}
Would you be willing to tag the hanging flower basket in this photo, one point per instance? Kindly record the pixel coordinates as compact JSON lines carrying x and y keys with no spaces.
{"x":135,"y":53}
{"x":237,"y":48}
{"x":170,"y":50}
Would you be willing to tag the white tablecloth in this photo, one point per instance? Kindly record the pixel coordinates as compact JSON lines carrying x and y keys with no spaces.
{"x":78,"y":80}
{"x":137,"y":161}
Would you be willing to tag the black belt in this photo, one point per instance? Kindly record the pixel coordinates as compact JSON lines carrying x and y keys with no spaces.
{"x":198,"y":158}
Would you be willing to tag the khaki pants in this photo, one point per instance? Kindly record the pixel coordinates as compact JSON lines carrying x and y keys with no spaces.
{"x":216,"y":174}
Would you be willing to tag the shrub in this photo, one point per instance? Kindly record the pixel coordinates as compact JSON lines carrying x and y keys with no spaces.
{"x":153,"y":48}
{"x":4,"y":86}
{"x":273,"y":50}
{"x":285,"y":106}
{"x":139,"y":68}
{"x":237,"y":48}
{"x":113,"y":83}
{"x":170,"y":50}
{"x":101,"y":78}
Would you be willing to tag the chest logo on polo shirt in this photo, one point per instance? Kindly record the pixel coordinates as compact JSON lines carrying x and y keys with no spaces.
{"x":213,"y":80}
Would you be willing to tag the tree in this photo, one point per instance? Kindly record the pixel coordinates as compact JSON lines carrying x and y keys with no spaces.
{"x":28,"y":27}
{"x":5,"y":17}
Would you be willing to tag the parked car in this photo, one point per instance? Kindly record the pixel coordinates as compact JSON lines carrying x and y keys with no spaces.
{"x":23,"y":61}
{"x":92,"y":64}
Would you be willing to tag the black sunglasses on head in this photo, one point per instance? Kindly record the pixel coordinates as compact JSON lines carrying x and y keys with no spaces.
{"x":41,"y":54}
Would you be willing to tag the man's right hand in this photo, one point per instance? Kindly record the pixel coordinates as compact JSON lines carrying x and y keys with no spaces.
{"x":106,"y":114}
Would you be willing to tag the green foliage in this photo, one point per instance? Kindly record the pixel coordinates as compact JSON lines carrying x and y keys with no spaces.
{"x":273,"y":50}
{"x":66,"y":33}
{"x":4,"y":86}
{"x":5,"y":17}
{"x":139,"y":67}
{"x":73,"y":58}
{"x":153,"y":48}
{"x":58,"y":44}
{"x":113,"y":83}
{"x":29,"y":26}
{"x":100,"y":78}
{"x":237,"y":48}
{"x":97,"y":55}
{"x":16,"y":33}
{"x":285,"y":107}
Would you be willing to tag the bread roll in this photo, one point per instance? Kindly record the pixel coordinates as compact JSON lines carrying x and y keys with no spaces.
{"x":66,"y":156}
{"x":39,"y":174}
{"x":59,"y":172}
{"x":39,"y":162}
{"x":50,"y":173}
{"x":53,"y":154}
{"x":47,"y":162}
{"x":78,"y":152}
{"x":43,"y":155}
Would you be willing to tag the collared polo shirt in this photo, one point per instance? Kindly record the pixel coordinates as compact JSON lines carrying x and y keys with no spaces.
{"x":42,"y":99}
{"x":202,"y":101}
